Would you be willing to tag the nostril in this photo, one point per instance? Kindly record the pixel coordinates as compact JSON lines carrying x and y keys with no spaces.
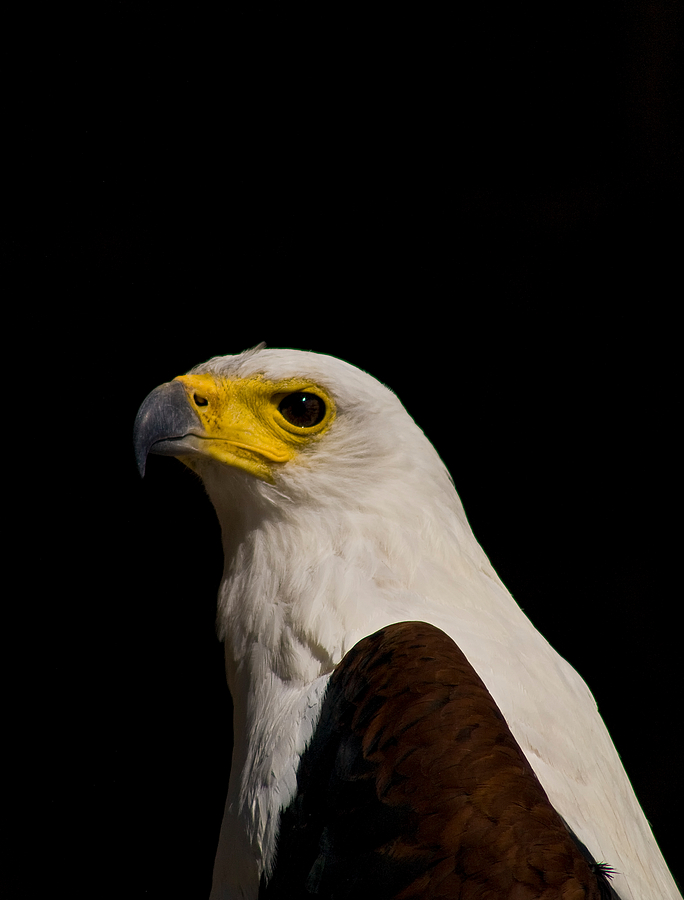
{"x":200,"y":400}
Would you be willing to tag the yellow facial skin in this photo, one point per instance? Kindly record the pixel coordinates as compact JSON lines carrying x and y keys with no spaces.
{"x":243,"y":425}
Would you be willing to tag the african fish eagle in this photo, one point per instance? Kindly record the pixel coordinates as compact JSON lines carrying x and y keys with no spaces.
{"x":400,"y":727}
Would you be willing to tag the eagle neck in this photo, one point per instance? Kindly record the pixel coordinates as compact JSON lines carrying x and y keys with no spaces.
{"x":304,"y":581}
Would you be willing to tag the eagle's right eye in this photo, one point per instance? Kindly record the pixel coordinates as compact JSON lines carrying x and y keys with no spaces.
{"x":302,"y":409}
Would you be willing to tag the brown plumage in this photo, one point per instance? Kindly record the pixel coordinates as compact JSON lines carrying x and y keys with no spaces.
{"x":414,"y":787}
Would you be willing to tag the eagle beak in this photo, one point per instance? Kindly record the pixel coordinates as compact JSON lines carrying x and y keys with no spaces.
{"x":165,"y":424}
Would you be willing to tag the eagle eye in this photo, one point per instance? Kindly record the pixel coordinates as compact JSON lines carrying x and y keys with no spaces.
{"x":302,"y":409}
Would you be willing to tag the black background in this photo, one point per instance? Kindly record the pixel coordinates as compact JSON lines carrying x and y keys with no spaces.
{"x":481,"y":209}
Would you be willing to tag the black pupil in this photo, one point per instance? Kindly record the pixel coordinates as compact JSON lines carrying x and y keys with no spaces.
{"x":303,"y":410}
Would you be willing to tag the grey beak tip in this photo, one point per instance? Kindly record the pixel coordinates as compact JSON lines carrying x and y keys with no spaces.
{"x":164,"y":414}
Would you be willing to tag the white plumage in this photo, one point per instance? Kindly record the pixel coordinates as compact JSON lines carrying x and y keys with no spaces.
{"x":362,"y":528}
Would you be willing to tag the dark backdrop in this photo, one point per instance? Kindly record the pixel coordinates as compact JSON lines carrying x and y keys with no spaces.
{"x":479,"y":209}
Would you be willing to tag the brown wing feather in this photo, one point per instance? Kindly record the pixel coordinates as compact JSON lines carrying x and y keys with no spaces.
{"x":414,"y":787}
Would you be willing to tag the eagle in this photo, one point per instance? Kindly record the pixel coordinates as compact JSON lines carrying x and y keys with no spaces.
{"x":401,"y":729}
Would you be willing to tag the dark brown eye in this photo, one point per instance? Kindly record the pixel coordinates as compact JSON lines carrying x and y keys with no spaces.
{"x":303,"y":410}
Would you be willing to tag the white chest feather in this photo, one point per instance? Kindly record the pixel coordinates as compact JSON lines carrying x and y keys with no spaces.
{"x":269,"y":740}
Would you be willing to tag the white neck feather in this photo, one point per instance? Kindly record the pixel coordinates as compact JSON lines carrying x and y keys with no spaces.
{"x":303,"y":582}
